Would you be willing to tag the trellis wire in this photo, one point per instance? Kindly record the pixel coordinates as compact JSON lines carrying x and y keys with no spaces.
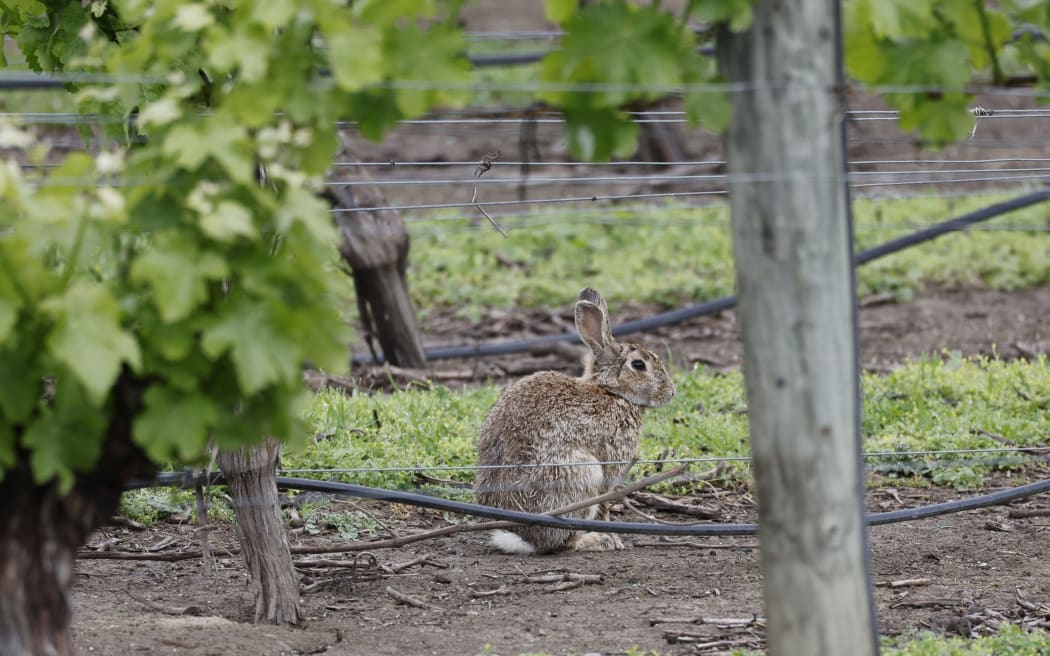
{"x":661,"y":178}
{"x":19,"y":80}
{"x":669,"y":194}
{"x":1039,"y":450}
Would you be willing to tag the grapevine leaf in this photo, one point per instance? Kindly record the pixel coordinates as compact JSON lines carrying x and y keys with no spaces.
{"x":65,"y":437}
{"x":20,"y":377}
{"x":190,"y":144}
{"x":431,"y":66}
{"x":356,"y":57}
{"x":193,"y":17}
{"x":88,"y":338}
{"x":273,"y":13}
{"x":174,"y":425}
{"x":228,"y":221}
{"x":736,"y":13}
{"x":385,"y":13}
{"x":179,"y":273}
{"x":621,"y":46}
{"x":559,"y":11}
{"x":8,"y":316}
{"x":301,"y":206}
{"x":259,"y":346}
{"x":7,"y":448}
{"x":245,"y":50}
{"x":710,"y":107}
{"x":599,"y":135}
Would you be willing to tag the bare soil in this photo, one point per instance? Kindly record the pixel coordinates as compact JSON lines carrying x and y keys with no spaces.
{"x":651,"y":595}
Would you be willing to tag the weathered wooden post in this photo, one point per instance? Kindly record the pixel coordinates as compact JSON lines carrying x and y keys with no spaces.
{"x":792,"y":243}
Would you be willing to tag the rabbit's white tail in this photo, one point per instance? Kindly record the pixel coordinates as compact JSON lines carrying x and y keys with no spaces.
{"x":511,"y":543}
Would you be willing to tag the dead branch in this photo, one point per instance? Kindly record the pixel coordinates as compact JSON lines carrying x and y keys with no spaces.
{"x":659,"y":502}
{"x":409,"y":600}
{"x":1021,"y":513}
{"x":902,"y":583}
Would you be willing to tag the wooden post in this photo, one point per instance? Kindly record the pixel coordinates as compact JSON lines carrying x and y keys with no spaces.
{"x":792,"y":244}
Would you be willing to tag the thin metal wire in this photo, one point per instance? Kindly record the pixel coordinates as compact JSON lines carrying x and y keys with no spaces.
{"x":656,"y":461}
{"x":394,"y":164}
{"x":654,"y":178}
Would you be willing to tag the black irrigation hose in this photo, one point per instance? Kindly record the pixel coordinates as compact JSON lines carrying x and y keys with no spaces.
{"x":672,"y":317}
{"x":436,"y":503}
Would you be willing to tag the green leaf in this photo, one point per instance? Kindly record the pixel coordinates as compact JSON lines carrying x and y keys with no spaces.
{"x":228,"y":221}
{"x":66,"y":436}
{"x":245,"y":51}
{"x":600,"y":135}
{"x":257,"y":338}
{"x":896,"y":19}
{"x":431,"y":66}
{"x":8,"y":316}
{"x":559,"y":11}
{"x":7,"y":448}
{"x":179,"y":273}
{"x":316,"y":158}
{"x":273,"y":13}
{"x":387,"y":12}
{"x":356,"y":57}
{"x":174,"y":425}
{"x":193,"y":17}
{"x":303,"y":207}
{"x":20,"y":377}
{"x":89,"y":339}
{"x":217,"y":136}
{"x":712,"y":108}
{"x":622,"y":46}
{"x":737,"y":13}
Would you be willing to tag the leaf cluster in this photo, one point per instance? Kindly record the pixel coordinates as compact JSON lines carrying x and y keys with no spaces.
{"x":617,"y":55}
{"x":930,"y":51}
{"x":196,"y":261}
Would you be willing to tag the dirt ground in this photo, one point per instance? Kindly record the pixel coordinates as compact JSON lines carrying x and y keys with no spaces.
{"x":970,"y":567}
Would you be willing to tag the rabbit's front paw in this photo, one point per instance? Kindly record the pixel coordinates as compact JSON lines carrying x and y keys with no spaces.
{"x":597,"y":542}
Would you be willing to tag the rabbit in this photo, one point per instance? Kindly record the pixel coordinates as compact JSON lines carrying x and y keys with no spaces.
{"x":549,"y":418}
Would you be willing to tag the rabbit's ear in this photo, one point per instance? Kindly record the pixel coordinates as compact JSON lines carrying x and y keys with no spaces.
{"x":592,"y":322}
{"x":592,"y":295}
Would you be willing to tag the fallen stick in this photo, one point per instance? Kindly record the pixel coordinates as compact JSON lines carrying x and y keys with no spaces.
{"x":1021,"y":513}
{"x":567,"y":577}
{"x":409,"y":600}
{"x":902,"y":583}
{"x":500,"y":591}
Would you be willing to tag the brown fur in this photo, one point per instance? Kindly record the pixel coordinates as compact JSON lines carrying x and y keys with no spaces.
{"x":549,"y":418}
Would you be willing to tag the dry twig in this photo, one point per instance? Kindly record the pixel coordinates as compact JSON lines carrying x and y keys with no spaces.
{"x":409,"y":600}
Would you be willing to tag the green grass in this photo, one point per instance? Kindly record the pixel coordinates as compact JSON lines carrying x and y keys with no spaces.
{"x":1009,"y":641}
{"x":934,"y":404}
{"x":670,"y":254}
{"x":152,"y":505}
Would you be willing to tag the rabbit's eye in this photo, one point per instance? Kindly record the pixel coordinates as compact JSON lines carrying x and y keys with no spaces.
{"x":638,"y":365}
